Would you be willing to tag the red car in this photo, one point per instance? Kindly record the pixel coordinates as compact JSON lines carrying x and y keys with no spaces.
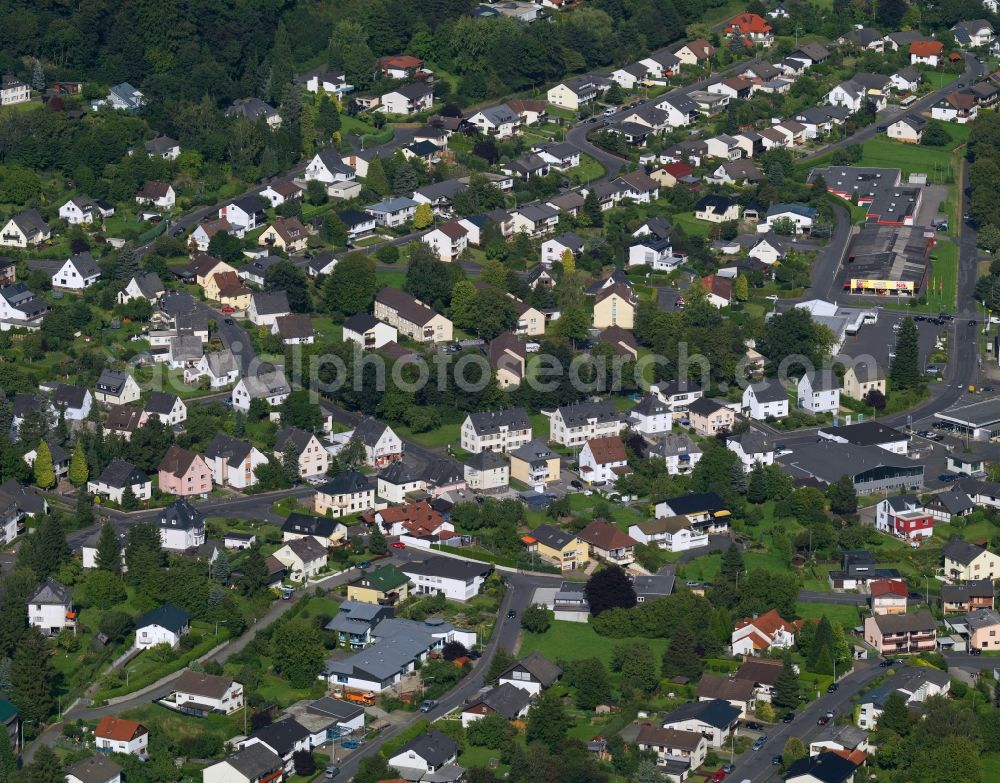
{"x":227,"y":309}
{"x":718,"y":776}
{"x":398,"y":545}
{"x":823,"y":720}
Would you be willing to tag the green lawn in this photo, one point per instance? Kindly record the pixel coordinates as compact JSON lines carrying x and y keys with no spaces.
{"x":935,"y":162}
{"x":845,"y":615}
{"x":588,"y":170}
{"x":991,"y":767}
{"x":439,"y":437}
{"x":571,"y":641}
{"x":394,"y":278}
{"x":692,"y":225}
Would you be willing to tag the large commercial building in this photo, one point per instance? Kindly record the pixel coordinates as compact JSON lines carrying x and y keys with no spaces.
{"x":887,"y":261}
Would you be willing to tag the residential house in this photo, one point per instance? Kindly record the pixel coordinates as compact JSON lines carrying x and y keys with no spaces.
{"x":165,"y":624}
{"x":752,"y":29}
{"x":119,"y":735}
{"x":765,"y":400}
{"x":608,"y":543}
{"x":95,"y":769}
{"x":182,"y":526}
{"x":675,"y":534}
{"x":382,"y":445}
{"x":13,"y":90}
{"x":200,"y":694}
{"x":863,"y":38}
{"x":694,"y":52}
{"x":286,"y":234}
{"x":739,"y":693}
{"x":968,"y":596}
{"x":118,"y":476}
{"x":487,"y":471}
{"x":909,"y":129}
{"x":858,"y":571}
{"x":158,"y":194}
{"x":168,"y":408}
{"x":949,"y":504}
{"x":146,"y":285}
{"x":904,"y":517}
{"x":679,"y":453}
{"x":327,"y":532}
{"x":233,"y":463}
{"x":708,"y":418}
{"x":677,"y":752}
{"x":652,"y":586}
{"x":501,"y":431}
{"x":500,"y":121}
{"x":916,"y":685}
{"x":303,"y":558}
{"x":926,"y":53}
{"x":535,"y":220}
{"x":80,"y":210}
{"x":459,"y":580}
{"x":386,"y":586}
{"x":760,"y":634}
{"x":843,"y":739}
{"x":280,"y":192}
{"x":448,"y":241}
{"x":507,"y":700}
{"x":615,"y":305}
{"x":651,"y":416}
{"x":255,"y":110}
{"x":368,"y":332}
{"x":717,"y":209}
{"x":124,"y":421}
{"x":432,"y":755}
{"x":800,"y":216}
{"x":965,"y":562}
{"x":294,"y":329}
{"x":313,"y":459}
{"x":20,"y":308}
{"x":50,"y":608}
{"x":974,"y":33}
{"x":116,"y":388}
{"x":245,"y":213}
{"x":407,"y":99}
{"x":254,"y":763}
{"x":602,"y":460}
{"x":819,"y":392}
{"x":827,"y":767}
{"x":266,"y":308}
{"x":558,"y":547}
{"x":555,"y":248}
{"x":655,"y":252}
{"x":328,"y":167}
{"x":355,"y":622}
{"x":763,"y":673}
{"x":573,"y":425}
{"x":907,"y":79}
{"x":718,"y":290}
{"x":393,"y":212}
{"x":534,"y":463}
{"x":350,"y":492}
{"x":677,"y":395}
{"x":219,"y":367}
{"x":184,"y":473}
{"x":887,"y":596}
{"x":752,"y":448}
{"x":861,"y":379}
{"x":411,"y":316}
{"x":896,"y":634}
{"x":508,"y":356}
{"x":958,"y":107}
{"x":25,"y":229}
{"x":714,"y":720}
{"x":573,"y":93}
{"x":533,"y":673}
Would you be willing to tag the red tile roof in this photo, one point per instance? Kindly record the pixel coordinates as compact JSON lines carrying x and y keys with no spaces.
{"x":119,"y":729}
{"x":888,"y":587}
{"x":749,"y":23}
{"x":678,"y":170}
{"x":719,"y":286}
{"x":768,"y":623}
{"x":606,"y":536}
{"x":926,"y":48}
{"x":610,"y":449}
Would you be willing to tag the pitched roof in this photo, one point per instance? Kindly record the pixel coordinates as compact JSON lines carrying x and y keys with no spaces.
{"x":606,"y":536}
{"x":230,"y":449}
{"x":433,"y":747}
{"x":905,"y":623}
{"x":607,"y":449}
{"x":255,"y":761}
{"x":182,"y":515}
{"x":177,"y":461}
{"x":715,"y":686}
{"x":447,"y":568}
{"x":168,"y":616}
{"x":717,"y":713}
{"x":827,"y":767}
{"x":120,"y":729}
{"x":962,"y":551}
{"x":307,"y":549}
{"x":383,"y":579}
{"x":407,"y":306}
{"x":762,"y":671}
{"x":349,"y":482}
{"x":489,"y":422}
{"x":52,"y":592}
{"x":282,"y":736}
{"x":659,"y":737}
{"x":538,"y":666}
{"x":95,"y":769}
{"x":926,"y":48}
{"x":768,"y":623}
{"x":308,"y":525}
{"x":270,"y":303}
{"x":506,"y":699}
{"x":881,"y":587}
{"x":120,"y":474}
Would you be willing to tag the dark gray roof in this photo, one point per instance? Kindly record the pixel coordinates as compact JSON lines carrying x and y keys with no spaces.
{"x":752,"y":442}
{"x":343,"y":711}
{"x":112,"y":381}
{"x":489,"y":422}
{"x":962,"y":551}
{"x":271,"y":302}
{"x":349,"y":482}
{"x":650,"y":405}
{"x":718,"y":713}
{"x":400,"y":472}
{"x":70,"y":396}
{"x":232,"y":450}
{"x":486,"y":460}
{"x":167,"y":616}
{"x":506,"y":699}
{"x":654,"y":585}
{"x":447,"y":568}
{"x":181,"y":515}
{"x":433,"y":747}
{"x":282,"y":736}
{"x":976,"y":588}
{"x":953,"y":500}
{"x":360,"y":322}
{"x":552,"y":536}
{"x":533,"y":451}
{"x":95,"y":769}
{"x":866,"y":433}
{"x":579,"y":414}
{"x":827,"y":767}
{"x":255,"y":761}
{"x":369,"y":430}
{"x":299,"y":438}
{"x":160,"y":402}
{"x":539,"y":667}
{"x":769,"y":391}
{"x":307,"y":525}
{"x":51,"y":592}
{"x":85,"y":264}
{"x":120,"y":474}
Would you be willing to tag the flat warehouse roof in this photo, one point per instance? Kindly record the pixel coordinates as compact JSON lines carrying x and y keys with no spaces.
{"x":978,"y":414}
{"x":888,"y":253}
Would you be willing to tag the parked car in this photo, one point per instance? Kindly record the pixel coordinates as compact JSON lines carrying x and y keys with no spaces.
{"x":822,"y":720}
{"x":332,"y":770}
{"x":776,"y":760}
{"x":832,"y":687}
{"x":885,"y":664}
{"x":727,"y":768}
{"x":788,"y":718}
{"x":975,"y":651}
{"x":427,"y":705}
{"x":753,"y":725}
{"x":718,"y":776}
{"x":759,"y":742}
{"x":398,"y":545}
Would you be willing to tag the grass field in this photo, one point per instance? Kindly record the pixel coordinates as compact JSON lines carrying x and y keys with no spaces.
{"x":394,"y":278}
{"x":845,"y":615}
{"x":991,"y":767}
{"x":588,"y":170}
{"x":692,"y":225}
{"x":935,"y":162}
{"x":571,"y":641}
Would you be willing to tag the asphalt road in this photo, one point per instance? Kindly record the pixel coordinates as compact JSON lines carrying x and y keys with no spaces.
{"x":756,"y":766}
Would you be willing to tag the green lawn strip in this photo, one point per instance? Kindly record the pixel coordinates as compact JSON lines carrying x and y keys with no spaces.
{"x":847,"y":616}
{"x":393,"y":278}
{"x":571,"y":641}
{"x":474,"y":756}
{"x":444,"y":435}
{"x":692,"y":225}
{"x":935,"y":162}
{"x":178,"y":726}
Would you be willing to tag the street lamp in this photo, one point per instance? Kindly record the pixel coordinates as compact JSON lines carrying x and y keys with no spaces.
{"x":127,"y":673}
{"x":217,"y":624}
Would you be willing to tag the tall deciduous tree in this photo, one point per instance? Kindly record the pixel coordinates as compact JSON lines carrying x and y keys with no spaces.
{"x":351,"y":287}
{"x":298,"y":653}
{"x":895,"y":715}
{"x":547,"y":721}
{"x":609,"y":588}
{"x":592,"y":683}
{"x":681,"y":656}
{"x":285,"y":276}
{"x":842,"y":496}
{"x":423,"y":216}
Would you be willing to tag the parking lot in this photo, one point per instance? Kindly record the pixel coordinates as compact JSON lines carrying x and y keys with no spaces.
{"x":878,"y":340}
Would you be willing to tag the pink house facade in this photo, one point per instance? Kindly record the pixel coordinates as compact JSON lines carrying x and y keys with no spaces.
{"x":184,"y":473}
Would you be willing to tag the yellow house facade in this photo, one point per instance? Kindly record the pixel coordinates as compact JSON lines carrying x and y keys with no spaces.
{"x":613,"y":307}
{"x":386,"y":585}
{"x":558,"y":547}
{"x":534,"y":463}
{"x":858,"y":381}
